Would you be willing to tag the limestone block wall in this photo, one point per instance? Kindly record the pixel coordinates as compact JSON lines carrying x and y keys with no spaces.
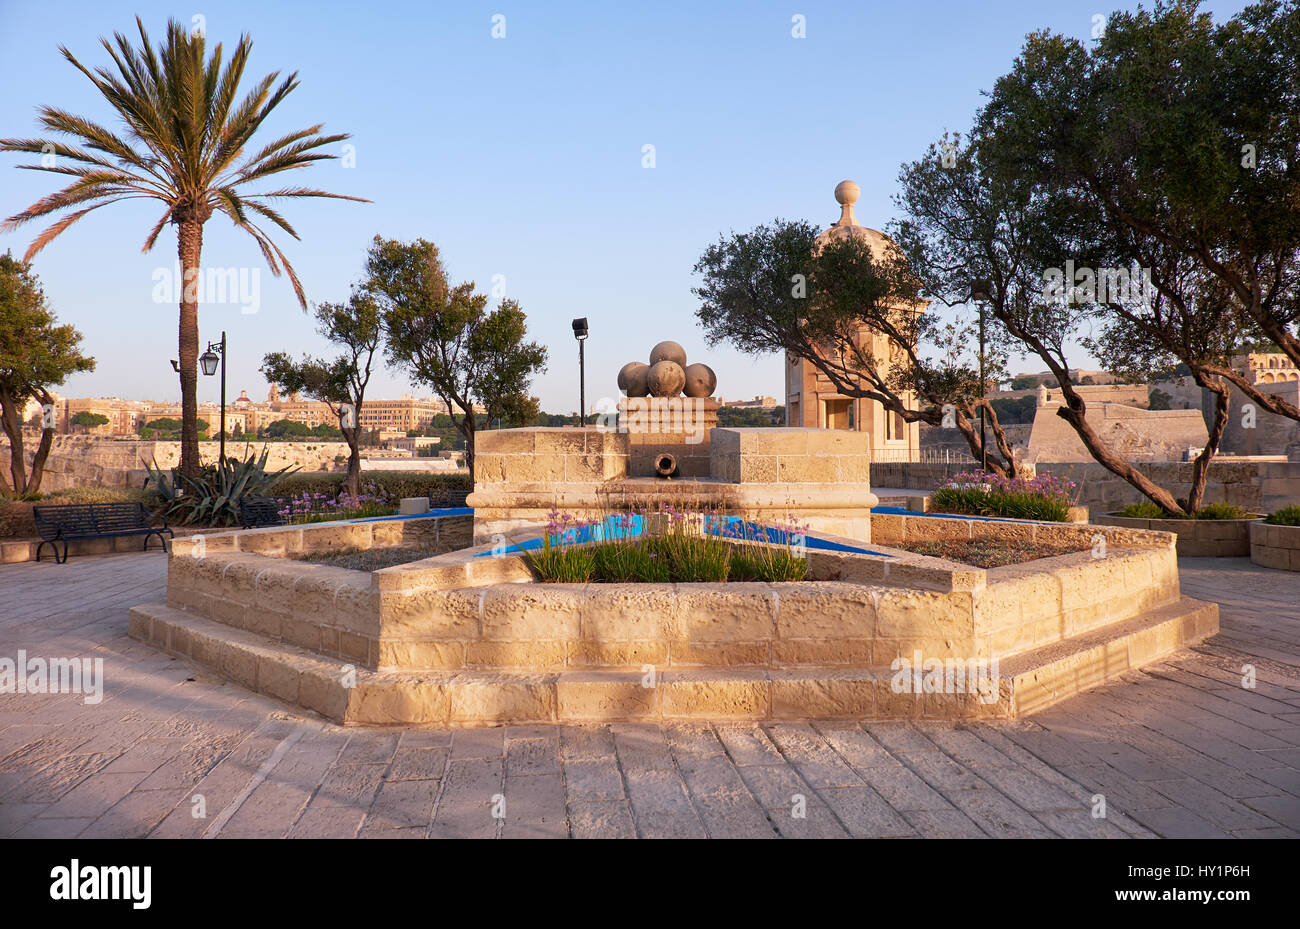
{"x":1270,"y":434}
{"x":1138,"y":434}
{"x":1197,"y":538}
{"x":547,"y":456}
{"x":469,"y":609}
{"x":244,"y":579}
{"x":791,"y":455}
{"x":1275,"y":546}
{"x":1026,"y":606}
{"x":680,"y":426}
{"x":817,"y":476}
{"x":1258,"y":486}
{"x":96,"y":461}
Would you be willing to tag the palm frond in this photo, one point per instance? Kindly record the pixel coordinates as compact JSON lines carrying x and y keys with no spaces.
{"x":49,"y":234}
{"x":186,"y":130}
{"x":264,"y":210}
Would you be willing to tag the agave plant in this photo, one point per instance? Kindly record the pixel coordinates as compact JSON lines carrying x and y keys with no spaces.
{"x":212,"y":500}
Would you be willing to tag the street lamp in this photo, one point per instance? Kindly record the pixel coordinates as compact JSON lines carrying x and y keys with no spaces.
{"x":580,"y":333}
{"x":208,"y":362}
{"x":981,"y":291}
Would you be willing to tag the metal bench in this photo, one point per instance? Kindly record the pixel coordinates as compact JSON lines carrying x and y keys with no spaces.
{"x":260,"y":511}
{"x":70,"y":521}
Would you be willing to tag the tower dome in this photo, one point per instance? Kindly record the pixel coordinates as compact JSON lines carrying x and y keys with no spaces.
{"x":846,"y":194}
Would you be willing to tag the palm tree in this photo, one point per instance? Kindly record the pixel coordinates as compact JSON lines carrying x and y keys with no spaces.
{"x":184,"y":145}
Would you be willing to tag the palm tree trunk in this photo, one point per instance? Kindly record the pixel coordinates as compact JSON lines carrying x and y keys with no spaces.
{"x":190,"y":248}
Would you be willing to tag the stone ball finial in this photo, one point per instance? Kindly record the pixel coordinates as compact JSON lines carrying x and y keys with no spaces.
{"x":847,"y":192}
{"x":700,"y":380}
{"x":665,"y":379}
{"x":668,"y":351}
{"x":631,"y":379}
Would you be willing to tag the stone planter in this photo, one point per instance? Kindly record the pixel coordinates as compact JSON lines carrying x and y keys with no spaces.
{"x":1275,"y":546}
{"x":1197,"y":538}
{"x":468,"y":637}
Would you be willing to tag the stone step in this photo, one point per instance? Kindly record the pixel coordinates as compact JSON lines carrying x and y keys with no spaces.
{"x":1049,"y":674}
{"x":347,"y":694}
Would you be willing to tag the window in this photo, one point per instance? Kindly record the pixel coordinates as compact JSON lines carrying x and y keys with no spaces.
{"x":895,"y":426}
{"x":839,"y":413}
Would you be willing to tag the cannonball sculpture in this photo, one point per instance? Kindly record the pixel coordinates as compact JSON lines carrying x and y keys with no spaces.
{"x":668,"y":351}
{"x":700,"y":380}
{"x":665,"y":379}
{"x":667,"y":375}
{"x":632,"y":379}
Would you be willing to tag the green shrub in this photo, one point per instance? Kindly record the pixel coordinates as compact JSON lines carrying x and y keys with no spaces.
{"x":978,"y":493}
{"x":364,"y":511}
{"x":1018,"y":505}
{"x":772,"y":565}
{"x":1287,"y":516}
{"x":561,"y":564}
{"x":94,"y":495}
{"x":1220,"y":511}
{"x":1148,"y":510}
{"x":441,"y":489}
{"x":1144,"y":510}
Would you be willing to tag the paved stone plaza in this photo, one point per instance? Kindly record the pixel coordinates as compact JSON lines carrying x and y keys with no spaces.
{"x":1179,"y":749}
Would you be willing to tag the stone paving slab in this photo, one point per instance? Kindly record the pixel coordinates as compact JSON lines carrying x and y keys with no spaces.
{"x":1177,"y":749}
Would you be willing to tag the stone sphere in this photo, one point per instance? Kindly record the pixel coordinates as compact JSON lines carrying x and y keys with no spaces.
{"x":665,"y":379}
{"x":631,"y":379}
{"x":700,"y":380}
{"x":668,"y":351}
{"x":847,"y":192}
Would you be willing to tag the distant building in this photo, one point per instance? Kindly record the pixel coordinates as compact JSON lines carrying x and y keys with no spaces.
{"x":126,"y":417}
{"x":1271,"y":368}
{"x":758,"y":403}
{"x":811,"y":400}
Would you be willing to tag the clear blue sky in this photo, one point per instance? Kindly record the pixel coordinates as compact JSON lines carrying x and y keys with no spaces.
{"x":521,"y":157}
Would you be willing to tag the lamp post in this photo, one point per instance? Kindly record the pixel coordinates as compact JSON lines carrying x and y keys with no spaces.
{"x":580,"y":333}
{"x":981,"y":288}
{"x":208,"y":361}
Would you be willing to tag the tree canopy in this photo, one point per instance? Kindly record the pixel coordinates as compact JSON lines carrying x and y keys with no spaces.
{"x":445,"y":336}
{"x":37,"y":353}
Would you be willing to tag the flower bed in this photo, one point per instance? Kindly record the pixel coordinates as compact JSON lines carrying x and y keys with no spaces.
{"x":667,"y":545}
{"x":319,"y":507}
{"x":994,"y":553}
{"x":976,"y":493}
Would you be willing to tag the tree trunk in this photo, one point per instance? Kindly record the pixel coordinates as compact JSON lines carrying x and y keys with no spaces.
{"x":1110,"y":460}
{"x":966,"y":426}
{"x":1201,"y":466}
{"x":353,"y":481}
{"x":190,"y":249}
{"x":1073,"y":412}
{"x":466,"y":427}
{"x":13,"y":428}
{"x":1001,"y":440}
